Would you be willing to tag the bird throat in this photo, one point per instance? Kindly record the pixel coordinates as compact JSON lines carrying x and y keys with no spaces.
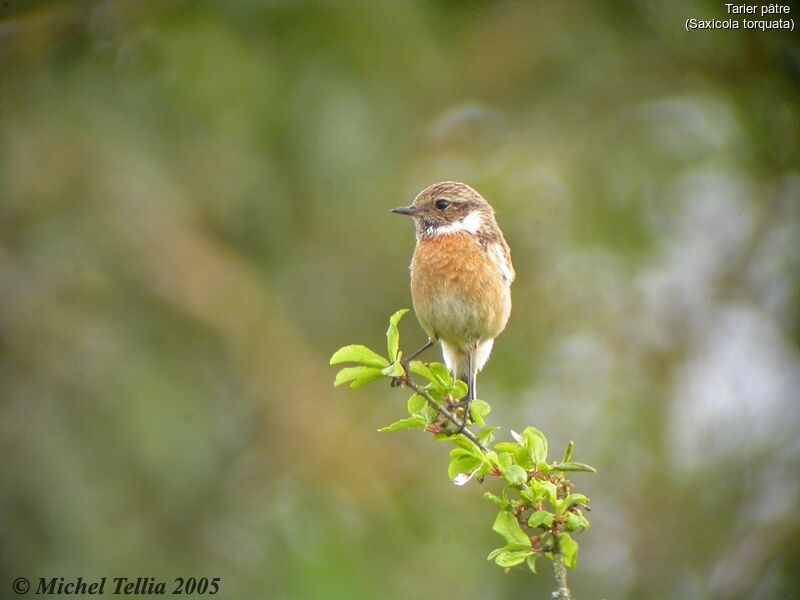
{"x":471,"y":223}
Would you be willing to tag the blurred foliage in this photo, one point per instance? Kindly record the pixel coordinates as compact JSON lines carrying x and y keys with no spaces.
{"x":194,"y":211}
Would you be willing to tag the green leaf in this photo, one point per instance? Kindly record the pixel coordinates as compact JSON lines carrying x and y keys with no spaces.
{"x":568,"y":452}
{"x":536,"y":443}
{"x":508,"y":489}
{"x":459,"y":390}
{"x":429,"y":413}
{"x":436,"y":392}
{"x":492,"y":498}
{"x":574,"y":499}
{"x":409,"y":423}
{"x":569,"y":550}
{"x":418,"y":367}
{"x":365,"y":378}
{"x":523,"y":458}
{"x":393,"y":334}
{"x":516,"y":475}
{"x":485,"y":469}
{"x":349,"y":374}
{"x":464,"y":442}
{"x":486,"y":436}
{"x":462,"y":464}
{"x":442,"y":374}
{"x":510,"y":559}
{"x":415,"y":404}
{"x":458,"y":452}
{"x":575,"y":520}
{"x":358,"y":375}
{"x":574,"y":466}
{"x":541,"y":518}
{"x":495,"y":552}
{"x":508,"y":548}
{"x":517,"y":547}
{"x":507,"y":526}
{"x":478,"y":410}
{"x":504,"y":461}
{"x":546,"y":489}
{"x":393,"y":370}
{"x":358,"y":354}
{"x":480,"y":407}
{"x":509,"y":447}
{"x":531,"y":560}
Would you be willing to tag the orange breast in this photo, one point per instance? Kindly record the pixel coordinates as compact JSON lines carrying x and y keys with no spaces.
{"x":459,"y":292}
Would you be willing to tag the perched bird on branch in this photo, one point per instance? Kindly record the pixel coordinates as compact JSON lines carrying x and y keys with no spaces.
{"x":461,"y":275}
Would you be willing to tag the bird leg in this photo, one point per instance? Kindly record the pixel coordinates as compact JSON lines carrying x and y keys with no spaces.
{"x":398,"y":381}
{"x":406,"y":361}
{"x":472,"y":386}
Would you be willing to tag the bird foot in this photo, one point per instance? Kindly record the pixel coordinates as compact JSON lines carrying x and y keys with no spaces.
{"x":461,"y":409}
{"x":462,"y":427}
{"x":465,"y":406}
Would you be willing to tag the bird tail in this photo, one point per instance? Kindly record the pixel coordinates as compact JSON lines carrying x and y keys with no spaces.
{"x":456,"y":359}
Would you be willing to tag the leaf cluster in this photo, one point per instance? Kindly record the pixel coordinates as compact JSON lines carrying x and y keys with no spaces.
{"x":537,"y":509}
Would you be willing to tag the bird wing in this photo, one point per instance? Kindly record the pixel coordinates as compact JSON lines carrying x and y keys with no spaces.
{"x":500,"y":253}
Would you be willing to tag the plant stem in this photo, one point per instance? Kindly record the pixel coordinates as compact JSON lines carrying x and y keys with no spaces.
{"x":443,"y":411}
{"x":560,"y":572}
{"x":559,"y":566}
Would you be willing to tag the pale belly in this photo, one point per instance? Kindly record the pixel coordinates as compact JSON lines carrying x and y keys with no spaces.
{"x":463,"y":320}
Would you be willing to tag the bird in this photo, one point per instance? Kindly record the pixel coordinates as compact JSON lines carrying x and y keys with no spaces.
{"x":461,"y":276}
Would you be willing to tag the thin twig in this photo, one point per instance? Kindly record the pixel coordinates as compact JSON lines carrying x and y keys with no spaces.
{"x":443,"y":411}
{"x":559,"y":566}
{"x":562,"y":591}
{"x":560,"y":572}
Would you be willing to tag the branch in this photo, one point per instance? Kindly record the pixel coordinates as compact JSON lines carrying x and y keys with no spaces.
{"x":559,"y":566}
{"x":560,"y":572}
{"x":444,"y":412}
{"x":530,"y":481}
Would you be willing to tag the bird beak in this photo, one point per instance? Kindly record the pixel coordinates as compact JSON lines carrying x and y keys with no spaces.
{"x":409,"y":211}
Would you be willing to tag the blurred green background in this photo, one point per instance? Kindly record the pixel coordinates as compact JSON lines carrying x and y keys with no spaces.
{"x":194,"y":215}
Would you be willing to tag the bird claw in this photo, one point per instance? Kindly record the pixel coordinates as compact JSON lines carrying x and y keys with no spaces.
{"x":466,"y":404}
{"x":464,"y":423}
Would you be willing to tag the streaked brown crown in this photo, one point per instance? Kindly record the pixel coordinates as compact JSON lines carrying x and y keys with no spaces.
{"x":449,"y":202}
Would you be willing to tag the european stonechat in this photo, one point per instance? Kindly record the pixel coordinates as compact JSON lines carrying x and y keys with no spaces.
{"x":461,"y":276}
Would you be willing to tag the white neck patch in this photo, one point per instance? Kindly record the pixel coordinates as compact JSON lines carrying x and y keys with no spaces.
{"x":471,"y":224}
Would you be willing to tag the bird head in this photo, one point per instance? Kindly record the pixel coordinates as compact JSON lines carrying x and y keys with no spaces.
{"x":449,"y":207}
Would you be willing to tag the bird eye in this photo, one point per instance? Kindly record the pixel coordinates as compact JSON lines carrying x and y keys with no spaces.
{"x":441,"y":204}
